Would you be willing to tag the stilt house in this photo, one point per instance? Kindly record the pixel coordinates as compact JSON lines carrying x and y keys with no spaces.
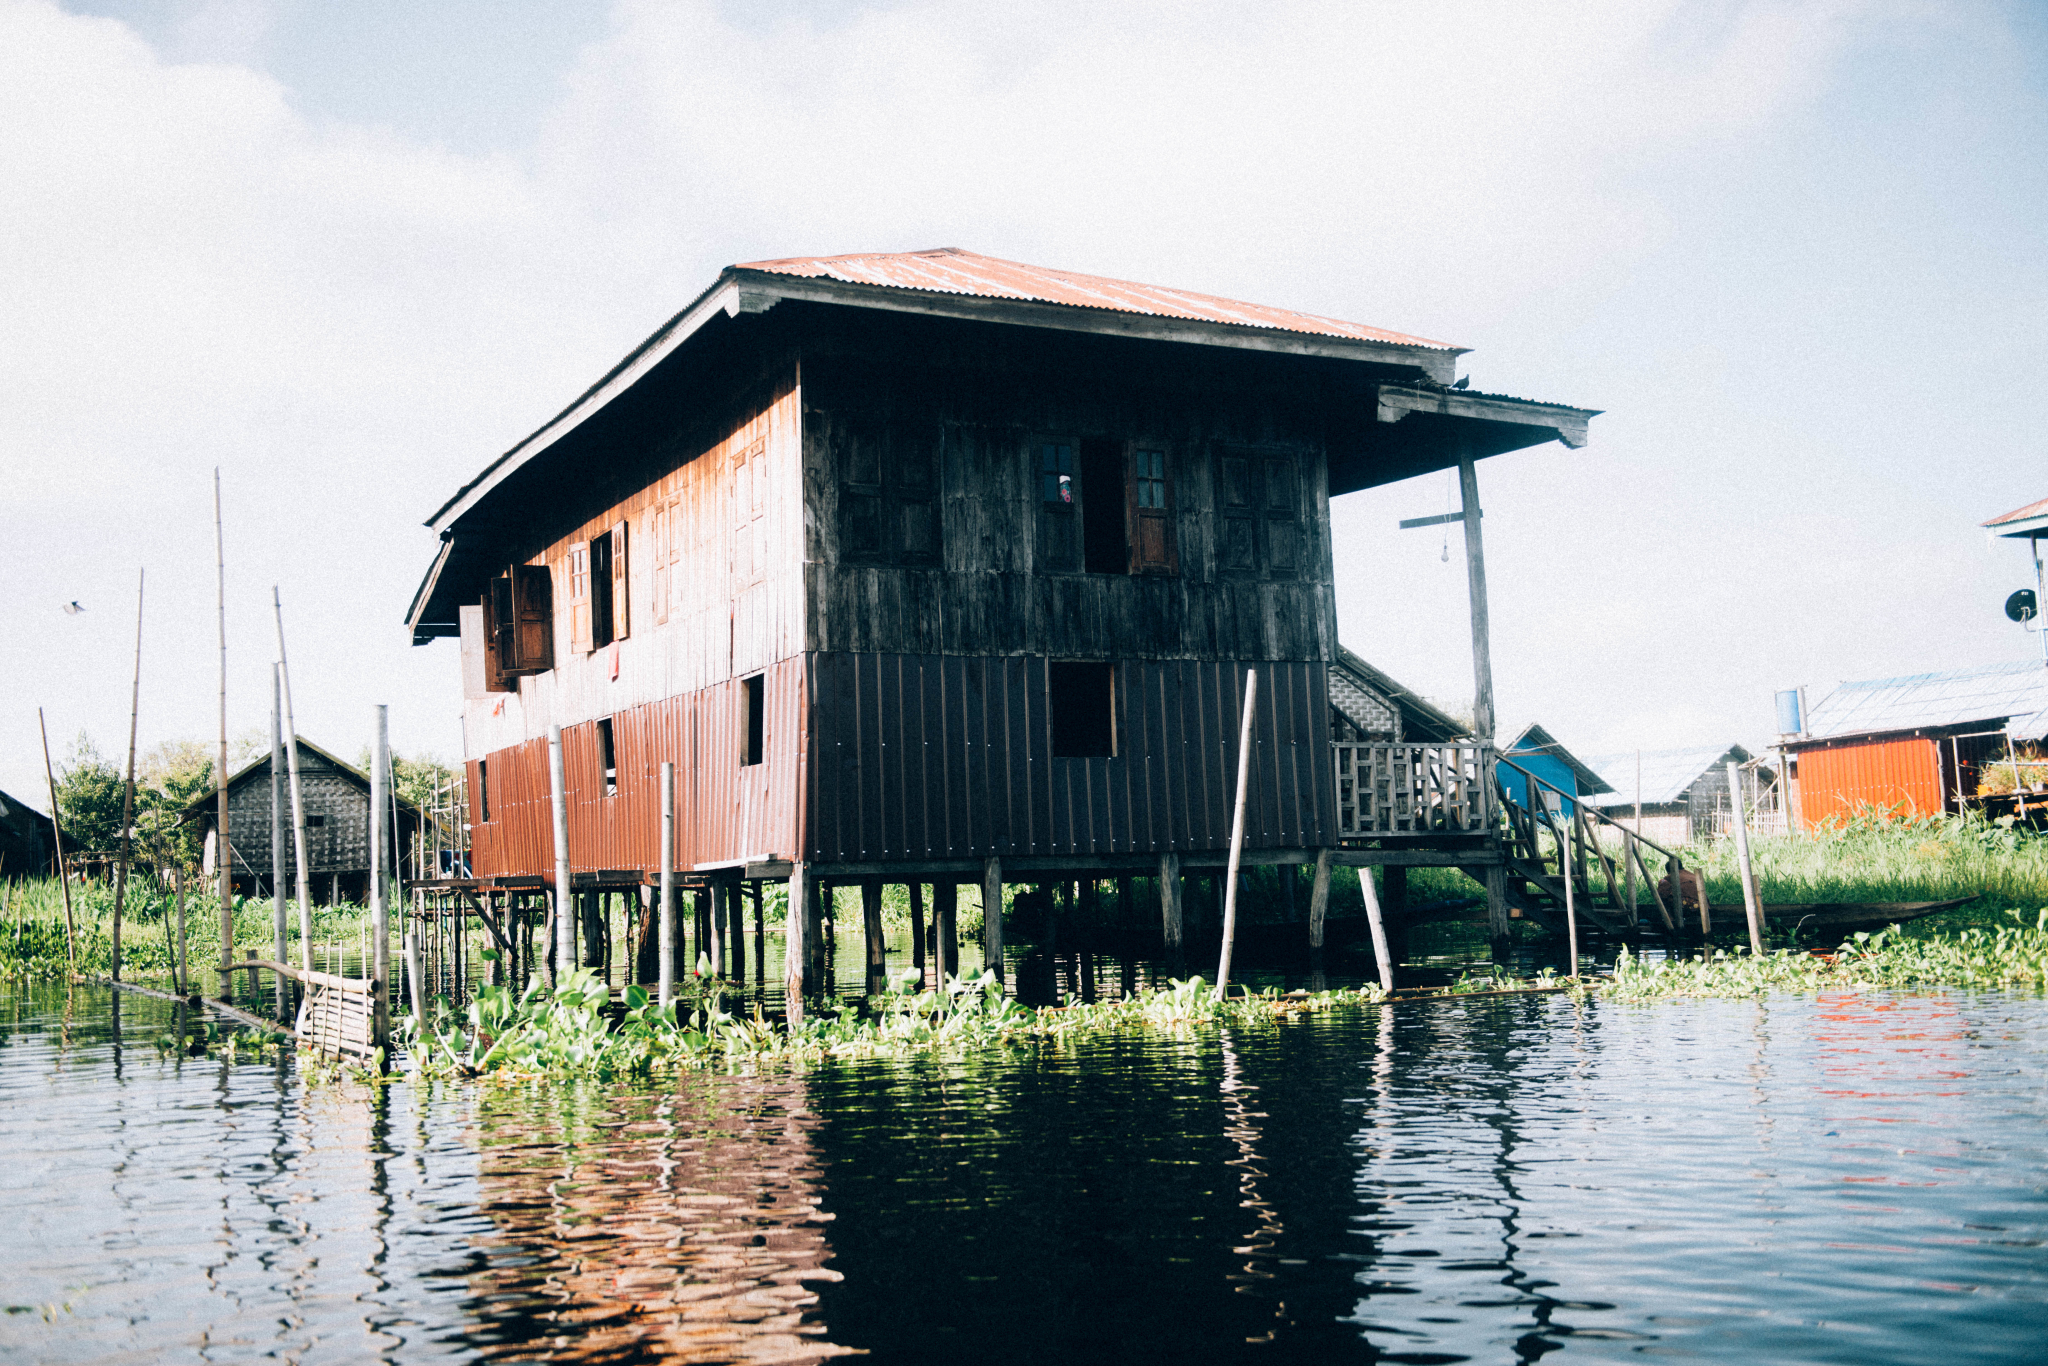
{"x":28,"y":840}
{"x":930,"y":565}
{"x":1561,"y":776}
{"x":336,"y":796}
{"x":1683,"y":792}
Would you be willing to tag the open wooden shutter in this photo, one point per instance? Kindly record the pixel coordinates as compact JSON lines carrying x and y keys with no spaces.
{"x":579,"y":597}
{"x":621,"y":599}
{"x":533,"y":591}
{"x":495,"y":677}
{"x":1148,"y":494}
{"x":502,"y":623}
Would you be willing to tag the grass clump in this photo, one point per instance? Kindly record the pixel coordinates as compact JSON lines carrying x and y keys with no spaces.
{"x":2001,"y":957}
{"x":576,"y":1030}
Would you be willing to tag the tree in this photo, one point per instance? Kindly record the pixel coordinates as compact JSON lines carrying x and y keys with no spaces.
{"x":168,"y":778}
{"x":89,"y":793}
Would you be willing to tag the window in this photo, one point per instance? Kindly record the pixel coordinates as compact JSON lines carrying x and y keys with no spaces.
{"x":597,"y":588}
{"x":483,"y":792}
{"x":888,"y":494}
{"x":1081,"y":699}
{"x":754,"y":727}
{"x":608,"y":756}
{"x":1056,"y":474}
{"x":315,"y":822}
{"x":1104,"y":547}
{"x":1259,"y":521}
{"x":579,"y":597}
{"x":519,"y":619}
{"x":1152,"y":549}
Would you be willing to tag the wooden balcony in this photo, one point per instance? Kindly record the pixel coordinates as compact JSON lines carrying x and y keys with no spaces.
{"x":1414,"y":790}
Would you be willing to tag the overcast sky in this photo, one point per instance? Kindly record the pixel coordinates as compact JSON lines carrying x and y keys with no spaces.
{"x":349,"y":253}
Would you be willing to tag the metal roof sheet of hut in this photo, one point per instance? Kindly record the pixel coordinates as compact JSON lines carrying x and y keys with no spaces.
{"x":2011,"y":695}
{"x":1667,"y":775}
{"x":204,"y":806}
{"x":1360,"y":691}
{"x":1534,"y":739}
{"x":2028,"y":521}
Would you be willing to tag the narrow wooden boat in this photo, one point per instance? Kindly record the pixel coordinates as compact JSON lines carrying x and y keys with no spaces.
{"x":1832,"y":917}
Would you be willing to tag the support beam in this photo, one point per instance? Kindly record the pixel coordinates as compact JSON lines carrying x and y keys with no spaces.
{"x":1475,"y":576}
{"x":795,"y":953}
{"x":1170,"y":924}
{"x":945,"y":910}
{"x":1319,"y":898}
{"x":992,"y":916}
{"x":876,"y":951}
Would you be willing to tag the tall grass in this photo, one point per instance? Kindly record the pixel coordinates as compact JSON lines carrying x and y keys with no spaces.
{"x":32,"y":929}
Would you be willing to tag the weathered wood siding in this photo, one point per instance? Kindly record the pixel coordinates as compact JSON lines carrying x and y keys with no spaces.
{"x":938,"y":756}
{"x":340,"y":843}
{"x":726,"y":811}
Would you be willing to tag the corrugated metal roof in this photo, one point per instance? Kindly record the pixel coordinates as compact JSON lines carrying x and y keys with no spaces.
{"x":2026,"y":513}
{"x":1536,"y":740}
{"x":949,"y":270}
{"x":1666,"y":773}
{"x":1986,"y":695}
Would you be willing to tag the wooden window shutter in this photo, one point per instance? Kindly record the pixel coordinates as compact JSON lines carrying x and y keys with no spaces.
{"x":533,"y":591}
{"x":621,"y":598}
{"x":1237,"y":508}
{"x":657,"y":537}
{"x":1148,"y":495}
{"x":495,"y":677}
{"x":1280,"y":515}
{"x":579,"y":597}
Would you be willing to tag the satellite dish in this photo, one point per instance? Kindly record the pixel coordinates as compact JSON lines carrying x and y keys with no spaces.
{"x":2021,"y":605}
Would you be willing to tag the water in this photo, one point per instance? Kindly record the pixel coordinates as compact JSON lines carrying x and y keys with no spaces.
{"x":1853,"y":1179}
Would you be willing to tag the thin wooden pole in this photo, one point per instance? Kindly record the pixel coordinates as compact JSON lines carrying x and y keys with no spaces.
{"x":380,"y":894}
{"x":128,"y":791}
{"x":917,"y":929}
{"x":946,"y":931}
{"x":1749,"y":898}
{"x":760,"y":934}
{"x":184,"y":971}
{"x":1571,"y":909}
{"x":565,"y":909}
{"x":1475,"y":575}
{"x":1378,"y":921}
{"x":1244,"y":772}
{"x":666,"y":991}
{"x":57,"y":836}
{"x":871,"y":932}
{"x":1171,"y":924}
{"x":222,"y":852}
{"x":291,"y":754}
{"x":277,"y":761}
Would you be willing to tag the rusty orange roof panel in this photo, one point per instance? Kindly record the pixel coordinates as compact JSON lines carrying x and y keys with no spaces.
{"x":2027,"y":513}
{"x":949,"y":270}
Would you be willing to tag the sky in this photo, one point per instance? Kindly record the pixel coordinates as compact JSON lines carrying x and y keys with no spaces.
{"x":347,"y":254}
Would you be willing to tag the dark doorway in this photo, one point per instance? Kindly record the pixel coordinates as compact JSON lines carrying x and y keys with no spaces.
{"x":1104,"y":547}
{"x":1081,"y":698}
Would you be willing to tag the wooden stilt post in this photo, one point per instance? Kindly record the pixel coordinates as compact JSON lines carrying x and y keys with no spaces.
{"x":128,"y":791}
{"x":917,"y":929}
{"x":1377,"y":921}
{"x":1749,"y":898}
{"x":1475,"y":577}
{"x":945,"y":916}
{"x":184,"y":971}
{"x":992,"y":916}
{"x":795,"y":956}
{"x":871,"y":933}
{"x":1319,"y":897}
{"x":667,"y":989}
{"x":379,"y":966}
{"x":815,"y":945}
{"x":760,"y":933}
{"x":57,"y":836}
{"x":565,"y":907}
{"x":1244,"y":773}
{"x":1170,"y":925}
{"x":1571,"y":909}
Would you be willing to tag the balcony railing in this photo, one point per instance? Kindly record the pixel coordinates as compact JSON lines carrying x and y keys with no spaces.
{"x":1385,"y":789}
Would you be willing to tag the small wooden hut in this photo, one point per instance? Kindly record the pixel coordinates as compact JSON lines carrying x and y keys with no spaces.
{"x":1536,"y":751}
{"x":336,"y":796}
{"x":28,"y":844}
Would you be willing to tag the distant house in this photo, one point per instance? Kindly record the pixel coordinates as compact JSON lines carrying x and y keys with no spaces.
{"x":1366,"y":705}
{"x":28,"y":844}
{"x":1914,"y":745}
{"x":1538,"y":752}
{"x":1683,"y":792}
{"x":337,"y":801}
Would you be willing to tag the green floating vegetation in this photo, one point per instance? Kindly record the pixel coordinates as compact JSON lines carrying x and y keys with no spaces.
{"x":573,"y":1030}
{"x":2006,"y":956}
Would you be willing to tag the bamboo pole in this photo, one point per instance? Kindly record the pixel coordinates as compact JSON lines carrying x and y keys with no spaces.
{"x":128,"y":790}
{"x":57,"y":837}
{"x":380,"y":908}
{"x":1571,"y":909}
{"x":184,"y":970}
{"x":220,"y":773}
{"x":291,"y":728}
{"x":667,"y":977}
{"x":1378,"y":922}
{"x":277,"y":762}
{"x":1244,"y":769}
{"x":1750,"y":908}
{"x":565,"y":910}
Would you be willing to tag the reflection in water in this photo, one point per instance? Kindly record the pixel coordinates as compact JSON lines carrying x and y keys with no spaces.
{"x":682,"y":1227}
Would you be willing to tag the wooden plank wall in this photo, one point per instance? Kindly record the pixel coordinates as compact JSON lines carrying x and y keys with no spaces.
{"x":938,"y":756}
{"x":725,"y":811}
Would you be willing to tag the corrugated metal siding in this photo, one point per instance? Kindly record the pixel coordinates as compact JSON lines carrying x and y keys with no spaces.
{"x":931,"y":756}
{"x":1838,"y":782}
{"x":725,"y":811}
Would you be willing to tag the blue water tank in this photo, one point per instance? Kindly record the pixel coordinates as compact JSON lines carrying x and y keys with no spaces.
{"x":1790,"y":722}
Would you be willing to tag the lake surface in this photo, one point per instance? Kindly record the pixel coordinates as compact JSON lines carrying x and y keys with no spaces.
{"x":1849,"y":1179}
